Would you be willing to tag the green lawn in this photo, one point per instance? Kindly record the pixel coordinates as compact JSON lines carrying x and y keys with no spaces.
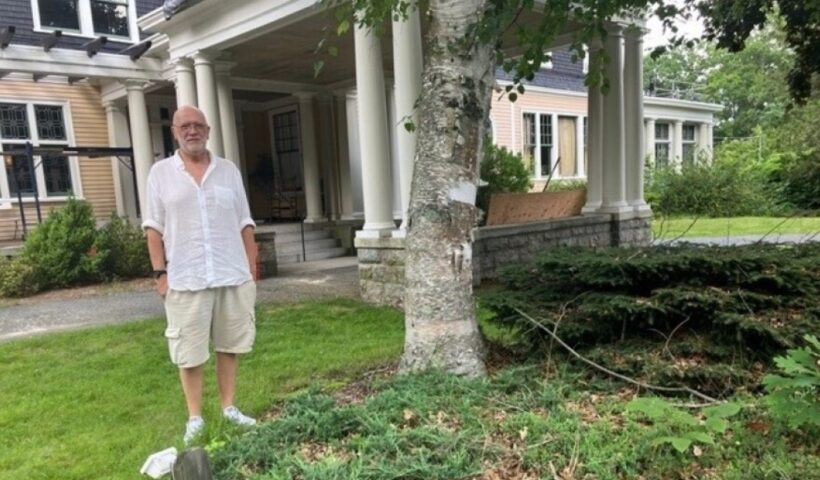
{"x":721,"y":227}
{"x":95,"y":403}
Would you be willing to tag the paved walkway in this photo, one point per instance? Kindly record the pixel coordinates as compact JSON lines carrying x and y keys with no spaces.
{"x":136,"y":300}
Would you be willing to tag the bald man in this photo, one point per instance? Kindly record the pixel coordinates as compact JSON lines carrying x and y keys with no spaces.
{"x":200,"y":239}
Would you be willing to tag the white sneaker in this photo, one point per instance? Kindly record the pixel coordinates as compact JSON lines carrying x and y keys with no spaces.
{"x":192,"y":429}
{"x":233,"y":415}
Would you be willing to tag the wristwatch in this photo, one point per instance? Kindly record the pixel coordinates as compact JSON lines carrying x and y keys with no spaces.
{"x":158,"y":273}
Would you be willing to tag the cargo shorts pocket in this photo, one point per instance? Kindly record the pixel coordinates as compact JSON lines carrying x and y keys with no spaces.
{"x":174,"y":336}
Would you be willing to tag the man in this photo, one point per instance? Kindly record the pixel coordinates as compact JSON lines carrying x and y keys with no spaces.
{"x":201,"y":242}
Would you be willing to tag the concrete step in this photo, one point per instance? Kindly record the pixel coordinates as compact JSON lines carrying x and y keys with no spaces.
{"x":296,"y":237}
{"x":282,"y":228}
{"x":311,"y":256}
{"x":310,"y":246}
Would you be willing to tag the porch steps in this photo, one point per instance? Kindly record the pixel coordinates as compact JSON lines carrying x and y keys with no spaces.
{"x":319,"y":242}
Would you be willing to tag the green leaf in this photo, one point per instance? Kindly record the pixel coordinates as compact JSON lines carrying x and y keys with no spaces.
{"x":317,"y":68}
{"x":333,"y":51}
{"x":702,"y":437}
{"x":717,"y":425}
{"x":344,"y":26}
{"x":654,"y":408}
{"x":724,"y":410}
{"x":679,"y":443}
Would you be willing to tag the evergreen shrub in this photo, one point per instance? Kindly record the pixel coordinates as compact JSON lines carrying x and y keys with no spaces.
{"x":681,"y":314}
{"x":502,"y":171}
{"x":16,"y":277}
{"x":121,"y":250}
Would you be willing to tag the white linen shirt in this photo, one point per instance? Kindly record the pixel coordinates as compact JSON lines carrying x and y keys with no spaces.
{"x":200,"y":225}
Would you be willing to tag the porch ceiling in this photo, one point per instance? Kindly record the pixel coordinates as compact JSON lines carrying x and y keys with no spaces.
{"x":288,"y":54}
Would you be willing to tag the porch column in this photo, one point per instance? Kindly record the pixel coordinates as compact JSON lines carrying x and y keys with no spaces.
{"x":310,"y":159}
{"x":650,"y":140}
{"x":633,"y":113}
{"x":185,"y":81}
{"x":595,"y":140}
{"x":614,"y":173}
{"x":342,"y":146}
{"x":227,"y":113}
{"x":140,"y":135}
{"x":373,"y":135}
{"x":354,"y":150}
{"x":704,"y":140}
{"x":580,"y":169}
{"x":208,"y":99}
{"x":677,"y":143}
{"x":407,"y":66}
{"x":118,"y":137}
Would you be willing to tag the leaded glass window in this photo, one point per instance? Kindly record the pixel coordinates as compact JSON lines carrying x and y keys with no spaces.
{"x":59,"y":14}
{"x":110,"y":17}
{"x":57,"y":172}
{"x":50,"y":124}
{"x":18,"y":173}
{"x":13,"y":121}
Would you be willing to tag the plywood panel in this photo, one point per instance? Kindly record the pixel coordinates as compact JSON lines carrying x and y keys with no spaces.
{"x":512,"y":208}
{"x":566,"y":146}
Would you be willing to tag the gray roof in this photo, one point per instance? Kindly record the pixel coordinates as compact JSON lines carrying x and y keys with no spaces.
{"x":564,"y":74}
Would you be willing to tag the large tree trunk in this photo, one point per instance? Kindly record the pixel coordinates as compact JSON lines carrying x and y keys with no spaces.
{"x":441,"y":327}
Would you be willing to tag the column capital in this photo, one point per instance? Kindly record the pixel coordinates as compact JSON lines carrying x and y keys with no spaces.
{"x":304,"y":96}
{"x":204,"y":57}
{"x":614,"y":30}
{"x":135,"y":84}
{"x":635,"y":32}
{"x":111,"y":106}
{"x":182,"y":63}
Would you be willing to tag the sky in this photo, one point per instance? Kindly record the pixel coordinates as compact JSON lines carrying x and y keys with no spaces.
{"x":692,"y":27}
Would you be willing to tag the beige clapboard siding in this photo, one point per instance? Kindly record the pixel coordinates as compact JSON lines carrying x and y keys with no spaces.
{"x":89,"y":127}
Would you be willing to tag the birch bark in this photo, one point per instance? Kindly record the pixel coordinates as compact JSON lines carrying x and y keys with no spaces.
{"x":441,"y":327}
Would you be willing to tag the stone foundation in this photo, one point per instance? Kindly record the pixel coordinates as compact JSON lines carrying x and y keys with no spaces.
{"x":381,"y":260}
{"x":266,"y":260}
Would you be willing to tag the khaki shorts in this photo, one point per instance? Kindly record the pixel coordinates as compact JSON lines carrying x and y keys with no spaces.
{"x":226,"y":314}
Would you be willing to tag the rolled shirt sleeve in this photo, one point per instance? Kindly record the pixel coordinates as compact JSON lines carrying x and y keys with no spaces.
{"x":154,"y":215}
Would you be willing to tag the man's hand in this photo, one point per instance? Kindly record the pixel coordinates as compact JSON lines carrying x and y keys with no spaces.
{"x":161,"y":284}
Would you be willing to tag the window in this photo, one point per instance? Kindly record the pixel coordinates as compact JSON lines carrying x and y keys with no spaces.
{"x":538,"y":143}
{"x":88,"y":18}
{"x":662,"y":142}
{"x":688,"y":145}
{"x":43,"y":126}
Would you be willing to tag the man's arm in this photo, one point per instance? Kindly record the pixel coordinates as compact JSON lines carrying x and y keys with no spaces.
{"x":156,"y":251}
{"x":251,"y":249}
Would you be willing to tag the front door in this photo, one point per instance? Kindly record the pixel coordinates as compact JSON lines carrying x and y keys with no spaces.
{"x":288,"y":191}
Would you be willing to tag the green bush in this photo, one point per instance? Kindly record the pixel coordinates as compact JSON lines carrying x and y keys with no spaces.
{"x":794,"y":397}
{"x":501,"y":171}
{"x":722,"y":309}
{"x":800,"y":179}
{"x":733,"y":185}
{"x":565,"y":185}
{"x":121,"y":251}
{"x":59,"y":251}
{"x":16,"y":277}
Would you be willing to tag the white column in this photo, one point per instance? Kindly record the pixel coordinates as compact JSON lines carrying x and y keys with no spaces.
{"x":650,"y":140}
{"x":140,"y":135}
{"x":633,"y":113}
{"x":310,"y":159}
{"x":407,"y":68}
{"x":677,"y":144}
{"x":395,"y":168}
{"x":227,"y":113}
{"x":373,"y":134}
{"x":579,"y":146}
{"x":185,"y":81}
{"x":704,"y":135}
{"x":118,"y":137}
{"x":595,"y":141}
{"x":614,"y":174}
{"x":555,"y":146}
{"x":208,"y":99}
{"x":343,"y":148}
{"x":354,"y":152}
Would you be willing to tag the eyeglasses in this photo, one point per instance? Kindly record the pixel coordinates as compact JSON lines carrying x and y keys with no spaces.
{"x":188,"y":127}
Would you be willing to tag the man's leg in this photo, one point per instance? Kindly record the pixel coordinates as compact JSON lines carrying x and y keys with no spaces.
{"x":191,"y":379}
{"x":226,"y":366}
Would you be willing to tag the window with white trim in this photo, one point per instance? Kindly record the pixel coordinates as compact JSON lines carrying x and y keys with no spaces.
{"x":115,"y":19}
{"x":44,"y":125}
{"x":688,"y":146}
{"x":538,"y":143}
{"x":662,"y":144}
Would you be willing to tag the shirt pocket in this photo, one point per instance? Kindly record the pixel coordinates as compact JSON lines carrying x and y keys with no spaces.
{"x":224,"y":197}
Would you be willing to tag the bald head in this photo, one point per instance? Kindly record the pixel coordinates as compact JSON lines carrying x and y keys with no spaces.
{"x":191,"y":132}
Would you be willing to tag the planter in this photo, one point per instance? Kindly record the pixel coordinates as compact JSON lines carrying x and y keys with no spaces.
{"x":513,"y":208}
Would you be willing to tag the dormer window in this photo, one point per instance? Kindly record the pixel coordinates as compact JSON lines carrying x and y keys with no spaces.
{"x":115,"y":19}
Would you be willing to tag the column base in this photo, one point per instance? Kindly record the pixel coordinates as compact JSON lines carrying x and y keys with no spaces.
{"x":315,"y":220}
{"x":615,"y":207}
{"x":366,"y":232}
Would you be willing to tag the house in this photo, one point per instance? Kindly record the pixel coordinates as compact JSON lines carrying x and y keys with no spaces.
{"x":548,"y":124}
{"x":327,"y":150}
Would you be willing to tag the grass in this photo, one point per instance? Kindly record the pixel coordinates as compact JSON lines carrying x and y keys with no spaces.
{"x":524,"y":422}
{"x":722,"y":227}
{"x":95,"y":403}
